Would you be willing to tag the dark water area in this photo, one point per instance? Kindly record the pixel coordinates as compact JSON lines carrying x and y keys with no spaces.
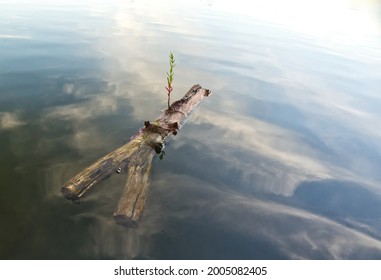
{"x":282,"y":161}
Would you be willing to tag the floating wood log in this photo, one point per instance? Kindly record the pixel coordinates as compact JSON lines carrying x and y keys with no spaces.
{"x":133,"y":199}
{"x":136,"y":157}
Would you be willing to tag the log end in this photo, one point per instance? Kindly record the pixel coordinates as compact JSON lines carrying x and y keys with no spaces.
{"x":70,"y":192}
{"x":125,"y":221}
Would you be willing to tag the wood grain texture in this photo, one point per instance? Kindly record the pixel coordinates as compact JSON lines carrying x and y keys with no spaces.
{"x":135,"y":157}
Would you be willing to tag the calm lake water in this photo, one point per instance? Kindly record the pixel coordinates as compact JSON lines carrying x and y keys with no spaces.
{"x":282,"y":161}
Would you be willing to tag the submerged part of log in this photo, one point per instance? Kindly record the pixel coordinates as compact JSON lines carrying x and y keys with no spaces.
{"x":133,"y":199}
{"x":135,"y":157}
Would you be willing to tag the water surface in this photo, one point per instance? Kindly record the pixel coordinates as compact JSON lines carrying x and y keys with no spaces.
{"x":281,"y":162}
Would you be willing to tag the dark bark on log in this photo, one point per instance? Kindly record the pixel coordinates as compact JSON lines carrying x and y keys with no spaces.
{"x":135,"y":157}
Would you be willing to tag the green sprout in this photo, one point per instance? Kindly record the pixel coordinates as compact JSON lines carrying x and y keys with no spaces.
{"x":170,"y":77}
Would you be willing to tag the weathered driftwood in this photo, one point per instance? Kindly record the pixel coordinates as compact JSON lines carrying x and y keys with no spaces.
{"x":152,"y":135}
{"x":135,"y":157}
{"x":133,"y":199}
{"x":78,"y":186}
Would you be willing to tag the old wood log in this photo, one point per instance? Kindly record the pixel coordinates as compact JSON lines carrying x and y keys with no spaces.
{"x":78,"y":186}
{"x":135,"y":157}
{"x":133,"y":199}
{"x":132,"y":202}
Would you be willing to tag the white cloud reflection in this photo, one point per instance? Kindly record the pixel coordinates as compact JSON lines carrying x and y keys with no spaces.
{"x":10,"y":120}
{"x":284,"y":160}
{"x":355,"y":21}
{"x":295,"y":232}
{"x":10,"y":36}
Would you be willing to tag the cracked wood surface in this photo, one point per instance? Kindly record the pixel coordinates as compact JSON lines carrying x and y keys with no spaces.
{"x":135,"y":157}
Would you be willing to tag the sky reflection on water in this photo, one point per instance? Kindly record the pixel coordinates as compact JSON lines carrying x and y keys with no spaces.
{"x":282,"y":161}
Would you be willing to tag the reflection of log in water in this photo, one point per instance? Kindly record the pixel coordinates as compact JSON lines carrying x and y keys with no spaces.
{"x":135,"y":157}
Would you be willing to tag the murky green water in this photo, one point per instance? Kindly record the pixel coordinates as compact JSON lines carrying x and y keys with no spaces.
{"x":282,"y":161}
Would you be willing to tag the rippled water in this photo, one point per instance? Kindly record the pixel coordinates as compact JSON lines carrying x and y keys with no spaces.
{"x":282,"y":161}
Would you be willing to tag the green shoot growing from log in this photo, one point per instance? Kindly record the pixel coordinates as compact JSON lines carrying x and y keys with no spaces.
{"x":170,"y":77}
